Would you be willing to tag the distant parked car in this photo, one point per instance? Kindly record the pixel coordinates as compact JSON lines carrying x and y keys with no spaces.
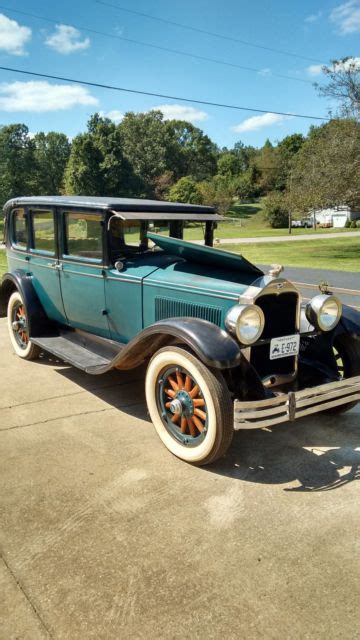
{"x":227,"y":347}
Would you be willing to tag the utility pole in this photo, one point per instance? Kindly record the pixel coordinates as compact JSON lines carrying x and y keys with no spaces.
{"x":290,"y":204}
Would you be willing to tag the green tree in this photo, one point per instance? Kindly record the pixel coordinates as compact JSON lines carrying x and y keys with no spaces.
{"x":146,"y":142}
{"x":52,"y":151}
{"x":17,"y":163}
{"x":185,"y":190}
{"x":327,"y":167}
{"x":190,"y":151}
{"x":343,"y":85}
{"x":229,"y":164}
{"x":268,"y":166}
{"x":218,"y":192}
{"x":97,"y":165}
{"x":276,"y":210}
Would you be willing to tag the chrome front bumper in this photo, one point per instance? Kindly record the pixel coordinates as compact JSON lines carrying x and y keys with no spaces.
{"x":295,"y":404}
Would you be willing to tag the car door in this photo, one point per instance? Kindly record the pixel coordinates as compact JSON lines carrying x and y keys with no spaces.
{"x":81,"y":270}
{"x":43,"y":262}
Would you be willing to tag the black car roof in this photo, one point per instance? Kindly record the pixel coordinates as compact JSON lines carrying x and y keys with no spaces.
{"x":123,"y":205}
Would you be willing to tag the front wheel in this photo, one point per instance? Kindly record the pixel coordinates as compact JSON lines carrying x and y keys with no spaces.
{"x":347,"y":356}
{"x":19,"y":328}
{"x":189,"y":405}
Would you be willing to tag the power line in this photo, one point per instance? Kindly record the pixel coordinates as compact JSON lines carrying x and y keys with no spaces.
{"x":195,"y":56}
{"x":159,"y":95}
{"x":204,"y":31}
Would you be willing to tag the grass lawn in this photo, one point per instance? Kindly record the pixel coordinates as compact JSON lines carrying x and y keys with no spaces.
{"x":340,"y":254}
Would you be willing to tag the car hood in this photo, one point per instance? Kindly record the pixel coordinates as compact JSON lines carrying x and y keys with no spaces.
{"x":202,"y":270}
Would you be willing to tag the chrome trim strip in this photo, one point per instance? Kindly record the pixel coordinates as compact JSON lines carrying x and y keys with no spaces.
{"x":81,"y":273}
{"x":286,"y":407}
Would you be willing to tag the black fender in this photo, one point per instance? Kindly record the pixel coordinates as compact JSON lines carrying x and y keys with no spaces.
{"x":212,"y":345}
{"x":39,"y":323}
{"x":349,"y":322}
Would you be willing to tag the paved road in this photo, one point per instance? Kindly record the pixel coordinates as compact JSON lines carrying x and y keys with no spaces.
{"x":345,"y":284}
{"x":288,"y":238}
{"x":105,"y":535}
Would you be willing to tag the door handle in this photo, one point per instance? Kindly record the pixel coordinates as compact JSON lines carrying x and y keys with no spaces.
{"x":54,"y":265}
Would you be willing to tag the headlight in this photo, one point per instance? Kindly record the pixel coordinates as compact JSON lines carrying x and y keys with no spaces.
{"x":246,"y":321}
{"x":324,"y":312}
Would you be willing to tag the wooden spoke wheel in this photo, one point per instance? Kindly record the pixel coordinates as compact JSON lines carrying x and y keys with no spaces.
{"x":190,"y":405}
{"x":18,"y":326}
{"x":346,"y":351}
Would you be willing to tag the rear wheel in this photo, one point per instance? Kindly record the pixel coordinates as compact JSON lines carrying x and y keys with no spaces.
{"x":190,"y":406}
{"x":19,"y":328}
{"x":347,"y":356}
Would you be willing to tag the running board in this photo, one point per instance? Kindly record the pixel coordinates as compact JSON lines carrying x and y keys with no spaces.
{"x":80,"y":349}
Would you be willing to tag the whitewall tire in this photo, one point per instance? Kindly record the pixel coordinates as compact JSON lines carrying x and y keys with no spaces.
{"x":189,"y":405}
{"x":19,"y":329}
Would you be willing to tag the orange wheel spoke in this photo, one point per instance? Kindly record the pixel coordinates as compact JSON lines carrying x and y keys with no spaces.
{"x":199,"y":425}
{"x":200,"y":413}
{"x":194,"y":392}
{"x":187,"y":383}
{"x":179,"y":380}
{"x":168,"y":405}
{"x":174,"y":385}
{"x":183,"y":425}
{"x":170,"y":392}
{"x":191,"y":427}
{"x":175,"y":418}
{"x":199,"y":402}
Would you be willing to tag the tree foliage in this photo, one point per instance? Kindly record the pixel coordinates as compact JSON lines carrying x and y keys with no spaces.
{"x":343,"y":85}
{"x":185,"y":190}
{"x":326,"y":169}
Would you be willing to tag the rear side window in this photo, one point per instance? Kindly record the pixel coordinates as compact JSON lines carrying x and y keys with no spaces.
{"x":43,"y":231}
{"x":83,"y":235}
{"x":20,"y":229}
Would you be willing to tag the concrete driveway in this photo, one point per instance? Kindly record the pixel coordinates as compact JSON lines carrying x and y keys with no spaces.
{"x":105,"y":535}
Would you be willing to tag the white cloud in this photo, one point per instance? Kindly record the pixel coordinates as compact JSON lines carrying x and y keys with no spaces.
{"x":13,"y":37}
{"x":347,"y":17}
{"x":350,"y":62}
{"x":42,"y":96}
{"x":258,"y":122}
{"x":265,"y":72}
{"x":354,"y":62}
{"x":314,"y":17}
{"x":67,"y":39}
{"x":315,"y":69}
{"x":115,"y":115}
{"x":181,"y":112}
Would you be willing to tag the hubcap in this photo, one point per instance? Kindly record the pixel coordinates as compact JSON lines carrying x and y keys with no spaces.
{"x":19,"y":325}
{"x":182,"y":406}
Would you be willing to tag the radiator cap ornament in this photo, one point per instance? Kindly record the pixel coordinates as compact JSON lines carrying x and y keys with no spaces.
{"x":275,"y":270}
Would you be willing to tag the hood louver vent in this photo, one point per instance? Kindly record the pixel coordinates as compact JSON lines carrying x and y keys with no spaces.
{"x":169,"y":308}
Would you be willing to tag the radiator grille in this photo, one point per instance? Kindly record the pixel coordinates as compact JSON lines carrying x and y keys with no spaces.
{"x":280,"y":320}
{"x":169,"y":308}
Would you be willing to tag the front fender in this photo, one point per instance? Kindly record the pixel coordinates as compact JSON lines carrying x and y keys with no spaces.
{"x":39,"y":324}
{"x":212,"y":345}
{"x":349,"y":322}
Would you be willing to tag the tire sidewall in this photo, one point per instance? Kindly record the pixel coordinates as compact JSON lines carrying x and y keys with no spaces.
{"x":159,"y":362}
{"x":22,"y":353}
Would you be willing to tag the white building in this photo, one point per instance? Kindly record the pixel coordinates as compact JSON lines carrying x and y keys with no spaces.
{"x":335,"y":216}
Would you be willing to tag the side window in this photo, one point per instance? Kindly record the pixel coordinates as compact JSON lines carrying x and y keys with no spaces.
{"x":43,"y":231}
{"x":20,"y":229}
{"x":83,"y":235}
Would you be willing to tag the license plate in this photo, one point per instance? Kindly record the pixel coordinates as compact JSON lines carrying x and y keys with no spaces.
{"x":284,"y":346}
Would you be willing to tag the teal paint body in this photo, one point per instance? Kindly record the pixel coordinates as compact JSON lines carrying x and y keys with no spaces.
{"x":179,"y":279}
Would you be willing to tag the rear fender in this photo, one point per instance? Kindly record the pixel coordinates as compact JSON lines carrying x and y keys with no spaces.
{"x":18,"y":280}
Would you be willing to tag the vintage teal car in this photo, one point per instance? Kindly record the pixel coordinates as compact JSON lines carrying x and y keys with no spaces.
{"x":226,"y":346}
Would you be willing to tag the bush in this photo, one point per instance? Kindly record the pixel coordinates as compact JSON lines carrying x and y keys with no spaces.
{"x":185,"y":190}
{"x":276,"y":211}
{"x":358,"y":224}
{"x":353,"y":224}
{"x":347,"y":224}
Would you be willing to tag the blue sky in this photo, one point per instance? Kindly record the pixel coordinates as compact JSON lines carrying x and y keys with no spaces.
{"x":320,"y":31}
